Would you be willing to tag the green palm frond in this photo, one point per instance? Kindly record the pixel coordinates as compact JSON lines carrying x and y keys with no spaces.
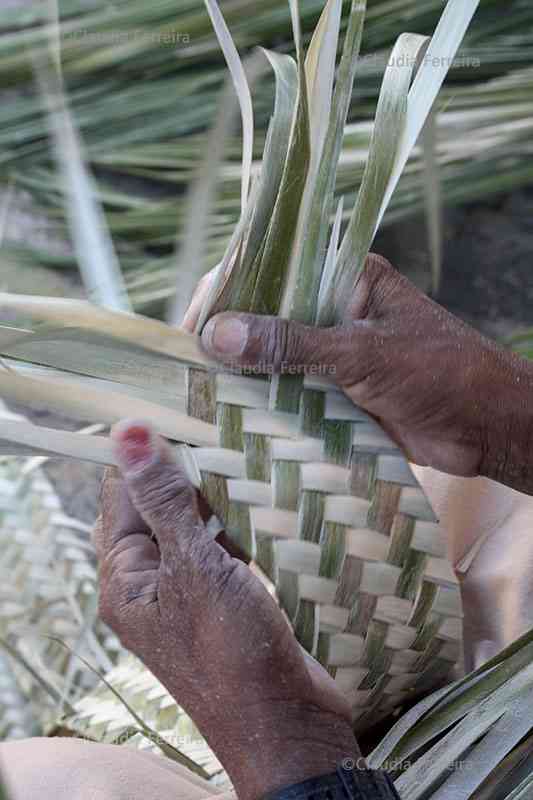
{"x":292,"y":205}
{"x":101,"y":716}
{"x":142,"y":121}
{"x":460,"y":742}
{"x":85,"y":362}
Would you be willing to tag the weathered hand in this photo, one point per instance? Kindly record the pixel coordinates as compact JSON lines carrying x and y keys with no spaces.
{"x":205,"y":625}
{"x":452,"y":399}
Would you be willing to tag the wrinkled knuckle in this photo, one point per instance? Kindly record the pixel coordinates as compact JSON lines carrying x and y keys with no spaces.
{"x":379,"y":282}
{"x":378,"y":266}
{"x":113,"y":602}
{"x":229,"y":584}
{"x":223,"y":579}
{"x":352,"y":349}
{"x":167,"y":490}
{"x":277,"y":343}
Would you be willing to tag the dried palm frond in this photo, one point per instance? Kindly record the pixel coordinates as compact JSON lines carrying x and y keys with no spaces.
{"x":307,"y":484}
{"x":103,"y":717}
{"x":48,"y":591}
{"x":472,"y":739}
{"x":16,"y":719}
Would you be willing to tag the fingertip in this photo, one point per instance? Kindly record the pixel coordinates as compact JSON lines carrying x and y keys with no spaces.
{"x":225,"y":336}
{"x":377,"y":262}
{"x":135,"y":444}
{"x":132,"y":428}
{"x":118,"y":516}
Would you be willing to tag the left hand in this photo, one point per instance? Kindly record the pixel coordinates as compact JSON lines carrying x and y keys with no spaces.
{"x":449,"y":397}
{"x":209,"y":630}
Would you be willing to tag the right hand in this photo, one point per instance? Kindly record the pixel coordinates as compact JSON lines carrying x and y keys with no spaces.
{"x":207,"y":628}
{"x":450,"y":398}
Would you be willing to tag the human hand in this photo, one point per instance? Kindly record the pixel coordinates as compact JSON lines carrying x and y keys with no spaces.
{"x":207,"y":628}
{"x":450,"y":398}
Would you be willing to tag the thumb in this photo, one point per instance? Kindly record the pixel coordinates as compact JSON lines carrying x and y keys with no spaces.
{"x":271,"y":344}
{"x":159,"y":488}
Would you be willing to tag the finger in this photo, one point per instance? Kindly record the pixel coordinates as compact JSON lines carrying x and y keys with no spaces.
{"x":253,"y":344}
{"x":128,"y":555}
{"x":192,"y":314}
{"x":121,"y":528}
{"x":271,"y":344}
{"x":343,"y":354}
{"x":378,"y":288}
{"x":116,"y":501}
{"x":118,"y":517}
{"x":159,"y":489}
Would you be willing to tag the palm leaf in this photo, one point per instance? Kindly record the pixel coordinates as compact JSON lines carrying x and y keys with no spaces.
{"x":94,"y":248}
{"x":267,"y":268}
{"x":451,"y":742}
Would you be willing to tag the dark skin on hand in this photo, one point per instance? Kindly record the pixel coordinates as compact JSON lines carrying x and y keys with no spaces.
{"x":452,"y":399}
{"x":199,"y":619}
{"x":208,"y":629}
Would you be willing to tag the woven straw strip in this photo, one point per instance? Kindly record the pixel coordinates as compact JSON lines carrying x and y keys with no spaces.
{"x":329,"y":508}
{"x":48,"y":590}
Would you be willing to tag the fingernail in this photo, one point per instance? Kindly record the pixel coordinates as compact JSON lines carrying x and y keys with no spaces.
{"x":134,"y":445}
{"x":225,"y":336}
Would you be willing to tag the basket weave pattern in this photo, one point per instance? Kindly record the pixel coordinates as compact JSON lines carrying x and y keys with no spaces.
{"x":329,"y":508}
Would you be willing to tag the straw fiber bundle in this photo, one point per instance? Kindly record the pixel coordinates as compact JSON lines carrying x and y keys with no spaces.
{"x":107,"y":715}
{"x":307,"y":484}
{"x":48,"y":603}
{"x":142,"y":103}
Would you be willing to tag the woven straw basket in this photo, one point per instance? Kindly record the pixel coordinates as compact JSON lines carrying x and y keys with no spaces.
{"x":314,"y":491}
{"x":354,"y":551}
{"x":322,"y":500}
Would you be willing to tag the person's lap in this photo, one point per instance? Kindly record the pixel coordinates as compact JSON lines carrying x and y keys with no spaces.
{"x":72,"y":769}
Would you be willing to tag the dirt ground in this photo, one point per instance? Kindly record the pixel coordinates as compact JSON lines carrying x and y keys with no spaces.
{"x":487,"y":276}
